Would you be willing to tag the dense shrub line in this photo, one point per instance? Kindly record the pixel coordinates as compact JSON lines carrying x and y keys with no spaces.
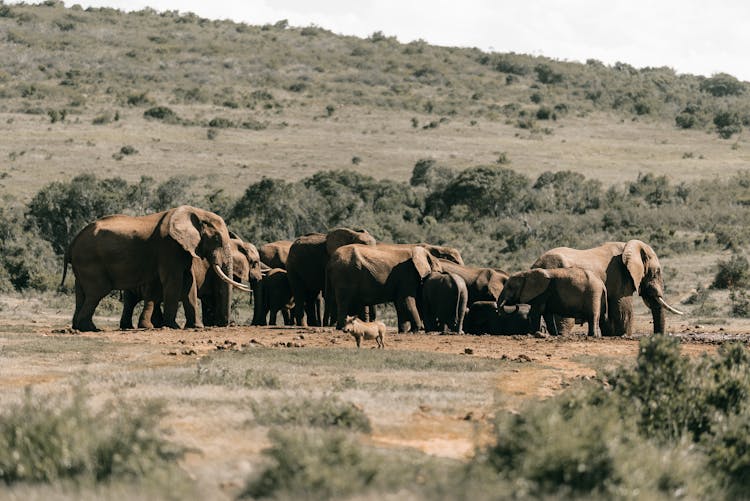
{"x":495,"y":215}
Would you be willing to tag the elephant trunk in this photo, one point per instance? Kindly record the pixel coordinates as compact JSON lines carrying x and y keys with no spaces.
{"x":658,"y":313}
{"x":221,"y":261}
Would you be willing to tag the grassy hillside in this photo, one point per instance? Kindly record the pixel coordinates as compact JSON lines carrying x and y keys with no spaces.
{"x":274,"y":100}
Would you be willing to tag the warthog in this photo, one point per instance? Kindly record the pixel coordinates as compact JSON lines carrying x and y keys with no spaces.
{"x":368,"y":330}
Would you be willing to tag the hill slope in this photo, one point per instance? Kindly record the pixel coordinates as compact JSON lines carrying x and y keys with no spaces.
{"x":285,"y":102}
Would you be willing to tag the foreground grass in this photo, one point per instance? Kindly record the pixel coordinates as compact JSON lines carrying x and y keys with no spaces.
{"x":309,"y":421}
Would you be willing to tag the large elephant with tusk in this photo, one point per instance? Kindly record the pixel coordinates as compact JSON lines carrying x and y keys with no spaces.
{"x":246,"y":268}
{"x":132,"y":253}
{"x":626,"y":268}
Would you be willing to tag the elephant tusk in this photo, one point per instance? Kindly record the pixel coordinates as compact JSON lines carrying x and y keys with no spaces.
{"x":501,"y":304}
{"x":673,"y":310}
{"x":228,"y":280}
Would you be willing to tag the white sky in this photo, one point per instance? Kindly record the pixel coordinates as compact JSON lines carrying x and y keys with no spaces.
{"x":691,"y":36}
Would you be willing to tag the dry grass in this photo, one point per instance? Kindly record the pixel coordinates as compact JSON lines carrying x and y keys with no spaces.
{"x":600,"y":147}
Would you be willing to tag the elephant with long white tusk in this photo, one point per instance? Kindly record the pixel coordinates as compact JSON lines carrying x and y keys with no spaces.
{"x":132,"y":253}
{"x":626,"y":268}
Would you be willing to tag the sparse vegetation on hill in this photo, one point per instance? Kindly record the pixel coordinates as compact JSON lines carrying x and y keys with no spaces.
{"x":96,"y":58}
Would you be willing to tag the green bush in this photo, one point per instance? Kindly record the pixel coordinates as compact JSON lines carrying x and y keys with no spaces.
{"x":45,"y":439}
{"x":314,"y":465}
{"x":732,"y":273}
{"x":323,"y":412}
{"x":487,"y":190}
{"x":727,"y":124}
{"x":721,"y":85}
{"x":667,"y":427}
{"x":162,"y":113}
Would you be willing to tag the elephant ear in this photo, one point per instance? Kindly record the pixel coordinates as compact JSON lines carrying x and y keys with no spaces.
{"x":535,"y":284}
{"x":424,"y":262}
{"x":184,"y":228}
{"x":637,"y":257}
{"x":496,"y":283}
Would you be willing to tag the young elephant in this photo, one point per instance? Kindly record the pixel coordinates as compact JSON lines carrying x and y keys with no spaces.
{"x":368,"y":330}
{"x":276,"y":296}
{"x":570,"y":292}
{"x":444,"y":298}
{"x":484,"y":317}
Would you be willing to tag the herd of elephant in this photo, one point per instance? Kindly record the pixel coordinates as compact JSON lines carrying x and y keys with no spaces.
{"x":185,"y":254}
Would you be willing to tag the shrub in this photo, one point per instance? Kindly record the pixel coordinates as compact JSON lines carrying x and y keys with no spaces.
{"x":59,"y":210}
{"x":727,"y":124}
{"x":567,"y":191}
{"x":740,"y":303}
{"x":732,"y":273}
{"x":544,"y":113}
{"x":547,"y":75}
{"x":162,"y":113}
{"x":324,"y":412}
{"x":721,"y":85}
{"x":43,"y":439}
{"x":140,"y":99}
{"x":220,"y":123}
{"x":314,"y":465}
{"x":488,"y":190}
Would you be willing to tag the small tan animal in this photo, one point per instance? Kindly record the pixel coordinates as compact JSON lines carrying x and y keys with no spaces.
{"x":368,"y":330}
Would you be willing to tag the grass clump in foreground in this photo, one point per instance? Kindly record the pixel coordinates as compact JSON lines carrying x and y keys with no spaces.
{"x":669,"y":427}
{"x":45,"y":440}
{"x":327,"y":411}
{"x":315,"y":464}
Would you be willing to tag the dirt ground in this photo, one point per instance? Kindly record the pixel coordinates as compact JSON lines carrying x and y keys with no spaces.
{"x":449,"y":421}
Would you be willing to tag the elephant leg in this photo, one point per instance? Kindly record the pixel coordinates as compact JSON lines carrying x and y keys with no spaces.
{"x":312,"y":310}
{"x":129,"y":301}
{"x":319,"y":308}
{"x":80,"y":297}
{"x":286,"y":314}
{"x":535,"y":318}
{"x":259,"y":317}
{"x":549,"y":321}
{"x":85,"y":318}
{"x":411,"y":308}
{"x":430,"y":325}
{"x":172,"y":290}
{"x":564,"y":326}
{"x":402,"y":316}
{"x":620,"y":317}
{"x":190,"y":305}
{"x":273,"y":314}
{"x":593,"y":322}
{"x":146,"y":319}
{"x":343,"y":303}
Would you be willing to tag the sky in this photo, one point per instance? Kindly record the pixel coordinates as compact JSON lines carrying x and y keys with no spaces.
{"x":691,"y":36}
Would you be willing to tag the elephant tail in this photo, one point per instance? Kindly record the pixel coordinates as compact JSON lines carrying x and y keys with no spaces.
{"x":66,"y":260}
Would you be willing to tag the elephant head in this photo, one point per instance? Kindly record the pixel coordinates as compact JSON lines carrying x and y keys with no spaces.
{"x":344,"y":236}
{"x":246,"y":263}
{"x":204,"y":235}
{"x":524,"y":286}
{"x":645,"y":271}
{"x":443,"y":252}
